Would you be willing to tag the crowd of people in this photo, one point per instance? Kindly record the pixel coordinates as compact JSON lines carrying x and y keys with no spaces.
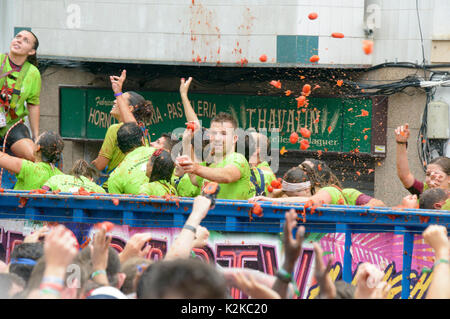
{"x":134,"y":164}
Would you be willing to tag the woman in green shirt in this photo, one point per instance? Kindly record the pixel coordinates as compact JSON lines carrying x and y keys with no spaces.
{"x":159,"y":171}
{"x":314,"y":181}
{"x":33,"y":175}
{"x":20,"y":88}
{"x":82,"y":175}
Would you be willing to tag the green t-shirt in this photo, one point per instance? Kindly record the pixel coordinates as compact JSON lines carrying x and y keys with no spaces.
{"x":185,"y":188}
{"x":34,"y":175}
{"x":30,"y":92}
{"x":71,"y":184}
{"x":269,"y":176}
{"x":242,"y":188}
{"x":128,"y":177}
{"x":158,"y":188}
{"x":351,"y":195}
{"x":110,"y":149}
{"x":446,"y":206}
{"x":337,"y":197}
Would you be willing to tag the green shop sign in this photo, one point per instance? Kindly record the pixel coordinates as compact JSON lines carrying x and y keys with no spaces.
{"x":337,"y":125}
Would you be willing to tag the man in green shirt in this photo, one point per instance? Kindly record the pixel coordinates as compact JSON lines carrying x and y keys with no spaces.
{"x":230,"y":169}
{"x":128,"y":177}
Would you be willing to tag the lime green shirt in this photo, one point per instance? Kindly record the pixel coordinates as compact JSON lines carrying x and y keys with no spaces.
{"x":110,"y":149}
{"x":185,"y":188}
{"x":34,"y":175}
{"x":337,"y":197}
{"x":158,"y":188}
{"x":128,"y":177}
{"x":269,"y":176}
{"x":242,"y":188}
{"x":30,"y":92}
{"x":446,"y":206}
{"x":351,"y":195}
{"x":71,"y":184}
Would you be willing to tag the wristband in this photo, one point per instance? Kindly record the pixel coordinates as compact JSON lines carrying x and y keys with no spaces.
{"x":49,"y":291}
{"x":441,"y":261}
{"x":53,"y":280}
{"x":286,"y":277}
{"x":191,"y":228}
{"x":405,"y":143}
{"x":98,"y":272}
{"x":52,"y":286}
{"x":117,"y":94}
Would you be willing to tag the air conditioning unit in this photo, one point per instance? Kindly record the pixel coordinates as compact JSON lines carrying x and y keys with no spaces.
{"x":438,"y":120}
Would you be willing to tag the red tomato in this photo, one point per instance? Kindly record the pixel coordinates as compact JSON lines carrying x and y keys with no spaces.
{"x":257,"y":210}
{"x":305,"y":132}
{"x":367,"y":46}
{"x":300,"y":101}
{"x":306,"y":88}
{"x":115,"y":201}
{"x":313,"y":16}
{"x":263,"y":58}
{"x":293,"y":138}
{"x":314,"y":58}
{"x":304,"y":144}
{"x":270,"y":188}
{"x":276,"y":84}
{"x":337,"y":35}
{"x":191,"y":126}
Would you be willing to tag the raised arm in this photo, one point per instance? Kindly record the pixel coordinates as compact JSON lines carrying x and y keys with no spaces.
{"x":403,"y":172}
{"x":182,"y":246}
{"x":117,"y":84}
{"x":188,"y":110}
{"x":436,"y":236}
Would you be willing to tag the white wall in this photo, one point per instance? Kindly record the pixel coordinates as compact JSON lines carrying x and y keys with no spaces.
{"x":177,"y":31}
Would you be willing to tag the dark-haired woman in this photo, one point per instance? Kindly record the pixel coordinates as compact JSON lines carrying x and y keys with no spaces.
{"x":33,"y":175}
{"x":128,"y":107}
{"x":82,"y":175}
{"x":437,"y":173}
{"x":159,"y":171}
{"x":20,"y":88}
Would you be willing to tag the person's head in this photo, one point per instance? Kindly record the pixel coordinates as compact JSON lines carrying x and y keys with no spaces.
{"x":132,"y":268}
{"x":115,"y":277}
{"x":136,"y":104}
{"x":200,"y":144}
{"x":181,"y":279}
{"x":323,"y":172}
{"x":76,"y":278}
{"x":10,"y":285}
{"x":438,"y":173}
{"x":83,"y":168}
{"x":25,"y":43}
{"x":222,"y":134}
{"x":165,"y":141}
{"x":49,"y":147}
{"x":296,"y":182}
{"x":160,"y":166}
{"x":129,"y":137}
{"x":24,"y":258}
{"x":433,"y":198}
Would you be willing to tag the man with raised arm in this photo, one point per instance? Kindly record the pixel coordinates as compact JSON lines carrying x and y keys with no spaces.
{"x":228,"y":168}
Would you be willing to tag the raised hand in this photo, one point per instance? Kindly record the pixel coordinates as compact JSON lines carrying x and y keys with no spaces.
{"x":117,"y":81}
{"x":184,"y":86}
{"x":402,"y":133}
